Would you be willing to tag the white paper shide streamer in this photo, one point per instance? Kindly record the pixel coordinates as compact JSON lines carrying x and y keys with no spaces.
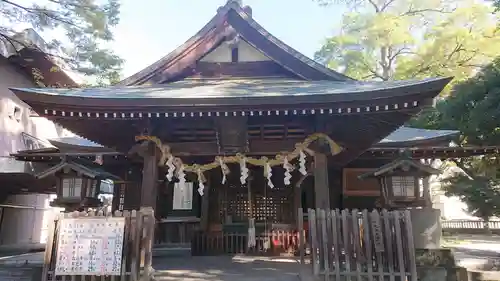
{"x":302,"y":163}
{"x":288,"y":169}
{"x":244,"y":170}
{"x":269,"y":173}
{"x":224,"y":170}
{"x":171,"y":168}
{"x":201,"y":185}
{"x":181,"y":175}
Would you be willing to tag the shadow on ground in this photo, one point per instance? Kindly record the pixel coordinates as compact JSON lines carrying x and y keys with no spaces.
{"x":226,"y":268}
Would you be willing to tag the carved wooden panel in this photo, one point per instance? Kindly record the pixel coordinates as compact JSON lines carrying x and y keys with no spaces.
{"x":232,"y":134}
{"x":353,"y":186}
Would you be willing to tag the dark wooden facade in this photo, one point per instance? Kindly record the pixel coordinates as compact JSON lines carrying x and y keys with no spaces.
{"x":234,"y":88}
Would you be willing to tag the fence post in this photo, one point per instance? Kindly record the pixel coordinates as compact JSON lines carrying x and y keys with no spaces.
{"x":300,"y":222}
{"x":411,"y":245}
{"x":49,"y":246}
{"x":314,"y":241}
{"x":324,"y":235}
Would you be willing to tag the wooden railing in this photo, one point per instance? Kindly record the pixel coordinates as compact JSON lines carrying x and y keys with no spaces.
{"x":175,"y":232}
{"x":466,"y":224}
{"x":470,"y":227}
{"x":220,"y":243}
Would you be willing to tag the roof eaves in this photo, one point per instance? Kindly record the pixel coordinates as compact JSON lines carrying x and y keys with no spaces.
{"x":407,"y":136}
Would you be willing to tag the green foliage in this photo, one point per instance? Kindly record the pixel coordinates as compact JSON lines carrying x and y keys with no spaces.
{"x":473,"y":108}
{"x":406,"y":39}
{"x":86,"y":25}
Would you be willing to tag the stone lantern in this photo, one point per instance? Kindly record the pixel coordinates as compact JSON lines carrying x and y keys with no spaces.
{"x":77,"y":183}
{"x":400,"y":183}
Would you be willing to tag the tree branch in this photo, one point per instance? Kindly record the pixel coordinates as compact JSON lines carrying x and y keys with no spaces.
{"x":466,"y":170}
{"x":42,"y":11}
{"x":386,"y":5}
{"x":377,"y":10}
{"x":420,"y":11}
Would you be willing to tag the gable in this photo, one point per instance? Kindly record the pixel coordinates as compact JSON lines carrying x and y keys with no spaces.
{"x":246,"y":53}
{"x":236,"y":60}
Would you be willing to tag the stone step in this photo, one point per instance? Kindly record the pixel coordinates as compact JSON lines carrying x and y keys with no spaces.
{"x":177,"y":250}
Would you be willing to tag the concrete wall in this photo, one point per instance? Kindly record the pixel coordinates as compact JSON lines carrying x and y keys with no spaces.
{"x":21,"y":225}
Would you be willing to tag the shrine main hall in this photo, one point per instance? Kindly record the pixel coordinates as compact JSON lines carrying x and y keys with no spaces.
{"x":236,"y":126}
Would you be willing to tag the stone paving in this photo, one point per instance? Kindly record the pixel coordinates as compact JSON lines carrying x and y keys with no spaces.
{"x":226,"y":268}
{"x":471,"y":251}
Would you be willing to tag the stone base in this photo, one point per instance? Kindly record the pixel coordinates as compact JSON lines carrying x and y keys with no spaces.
{"x":426,"y":224}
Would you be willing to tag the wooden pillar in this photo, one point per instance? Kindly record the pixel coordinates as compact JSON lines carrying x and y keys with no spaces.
{"x":322,"y":196}
{"x":426,"y":187}
{"x":149,"y":176}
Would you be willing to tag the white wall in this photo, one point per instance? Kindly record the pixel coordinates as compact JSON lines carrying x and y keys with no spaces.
{"x":27,"y":225}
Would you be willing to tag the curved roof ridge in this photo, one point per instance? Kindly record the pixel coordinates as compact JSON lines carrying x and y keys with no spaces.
{"x":177,"y":51}
{"x":287,"y":48}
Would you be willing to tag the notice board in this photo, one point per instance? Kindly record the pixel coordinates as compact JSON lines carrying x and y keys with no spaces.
{"x":90,"y":246}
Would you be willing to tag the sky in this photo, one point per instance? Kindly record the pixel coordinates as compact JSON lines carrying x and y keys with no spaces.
{"x":150,"y":31}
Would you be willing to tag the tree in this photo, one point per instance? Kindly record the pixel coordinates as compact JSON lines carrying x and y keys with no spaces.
{"x":406,"y":39}
{"x":86,"y":24}
{"x":473,"y":108}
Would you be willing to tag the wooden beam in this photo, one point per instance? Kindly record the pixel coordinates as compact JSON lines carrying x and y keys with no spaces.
{"x":321,"y":192}
{"x":256,"y":147}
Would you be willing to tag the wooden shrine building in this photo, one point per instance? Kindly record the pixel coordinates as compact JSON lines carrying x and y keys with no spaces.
{"x":235,"y":125}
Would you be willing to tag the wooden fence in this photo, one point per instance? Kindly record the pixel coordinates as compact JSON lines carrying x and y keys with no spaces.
{"x":136,"y":262}
{"x":348,"y":244}
{"x":271,"y":243}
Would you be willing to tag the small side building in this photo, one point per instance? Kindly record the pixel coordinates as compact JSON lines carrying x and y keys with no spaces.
{"x":24,"y":200}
